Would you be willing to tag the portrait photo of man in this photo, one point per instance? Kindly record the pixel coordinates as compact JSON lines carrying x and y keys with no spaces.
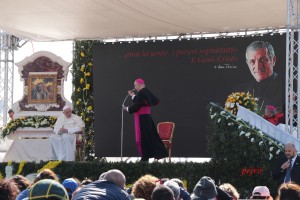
{"x":267,"y":85}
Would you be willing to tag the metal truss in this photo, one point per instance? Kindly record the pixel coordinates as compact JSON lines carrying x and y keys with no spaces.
{"x":7,"y":47}
{"x":292,"y":68}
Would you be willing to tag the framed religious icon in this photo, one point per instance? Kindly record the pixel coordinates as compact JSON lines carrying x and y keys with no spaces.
{"x":42,"y":87}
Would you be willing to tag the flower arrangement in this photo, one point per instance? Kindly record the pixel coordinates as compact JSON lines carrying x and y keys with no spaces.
{"x":30,"y":121}
{"x":240,"y":98}
{"x":83,"y":96}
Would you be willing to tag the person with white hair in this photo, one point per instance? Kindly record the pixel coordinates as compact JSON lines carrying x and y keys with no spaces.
{"x":63,"y":143}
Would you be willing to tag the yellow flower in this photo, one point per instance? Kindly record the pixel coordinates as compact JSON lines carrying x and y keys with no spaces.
{"x":90,"y":64}
{"x":87,"y":86}
{"x":78,"y":89}
{"x":88,"y":74}
{"x":82,"y":114}
{"x":82,"y":54}
{"x":87,"y":119}
{"x":89,"y":108}
{"x":81,"y":80}
{"x":82,"y":68}
{"x":77,"y":102}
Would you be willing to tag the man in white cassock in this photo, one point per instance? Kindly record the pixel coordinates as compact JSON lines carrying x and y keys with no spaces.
{"x":63,"y":142}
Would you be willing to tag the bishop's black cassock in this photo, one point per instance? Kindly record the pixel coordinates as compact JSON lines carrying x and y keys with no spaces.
{"x":147,"y":139}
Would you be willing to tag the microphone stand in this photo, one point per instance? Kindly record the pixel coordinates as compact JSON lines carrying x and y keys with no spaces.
{"x":122,"y":125}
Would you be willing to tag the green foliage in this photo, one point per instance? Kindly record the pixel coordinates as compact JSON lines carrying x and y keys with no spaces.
{"x":191,"y":172}
{"x":83,"y":96}
{"x":235,"y":146}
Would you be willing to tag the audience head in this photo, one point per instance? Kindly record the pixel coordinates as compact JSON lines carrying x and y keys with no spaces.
{"x":289,"y":191}
{"x":144,"y":186}
{"x":261,"y":192}
{"x":8,"y":190}
{"x":47,"y":189}
{"x":204,"y":189}
{"x":178,"y":181}
{"x":174,"y":187}
{"x":115,"y":176}
{"x":21,"y":182}
{"x":46,"y":174}
{"x":228,"y":188}
{"x":162,"y":192}
{"x":70,"y":185}
{"x":86,"y":181}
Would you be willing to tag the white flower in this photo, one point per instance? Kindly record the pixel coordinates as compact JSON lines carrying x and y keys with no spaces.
{"x":228,"y":117}
{"x":278,"y":151}
{"x":222,"y":112}
{"x":242,"y":132}
{"x":238,"y":119}
{"x":248,"y":134}
{"x":261,"y":133}
{"x":270,"y":156}
{"x":240,"y":126}
{"x":271,"y":148}
{"x":219,"y":120}
{"x":270,"y":142}
{"x":260,"y":143}
{"x":252,"y":139}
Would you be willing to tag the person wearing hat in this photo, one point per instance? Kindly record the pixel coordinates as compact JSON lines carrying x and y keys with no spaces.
{"x":261,"y":192}
{"x":63,"y":142}
{"x":148,"y":142}
{"x":205,"y":189}
{"x":70,"y":185}
{"x":47,"y":189}
{"x":270,"y":115}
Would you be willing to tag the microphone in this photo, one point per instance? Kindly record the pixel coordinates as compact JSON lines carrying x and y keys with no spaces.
{"x":127,"y":97}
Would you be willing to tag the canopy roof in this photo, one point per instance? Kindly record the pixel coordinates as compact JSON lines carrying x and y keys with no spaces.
{"x":54,"y":20}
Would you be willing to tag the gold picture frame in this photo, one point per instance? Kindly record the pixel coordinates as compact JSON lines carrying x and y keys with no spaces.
{"x":42,"y":87}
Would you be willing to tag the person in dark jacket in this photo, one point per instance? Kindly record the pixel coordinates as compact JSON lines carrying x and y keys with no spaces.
{"x":110,"y":186}
{"x":288,"y":168}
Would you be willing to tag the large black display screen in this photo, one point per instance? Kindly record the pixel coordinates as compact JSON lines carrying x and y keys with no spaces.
{"x":186,"y":75}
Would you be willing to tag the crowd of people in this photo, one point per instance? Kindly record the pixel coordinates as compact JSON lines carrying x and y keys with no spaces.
{"x":111,"y":185}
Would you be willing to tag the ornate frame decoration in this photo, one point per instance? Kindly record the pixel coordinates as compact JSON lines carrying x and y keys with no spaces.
{"x":42,"y":87}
